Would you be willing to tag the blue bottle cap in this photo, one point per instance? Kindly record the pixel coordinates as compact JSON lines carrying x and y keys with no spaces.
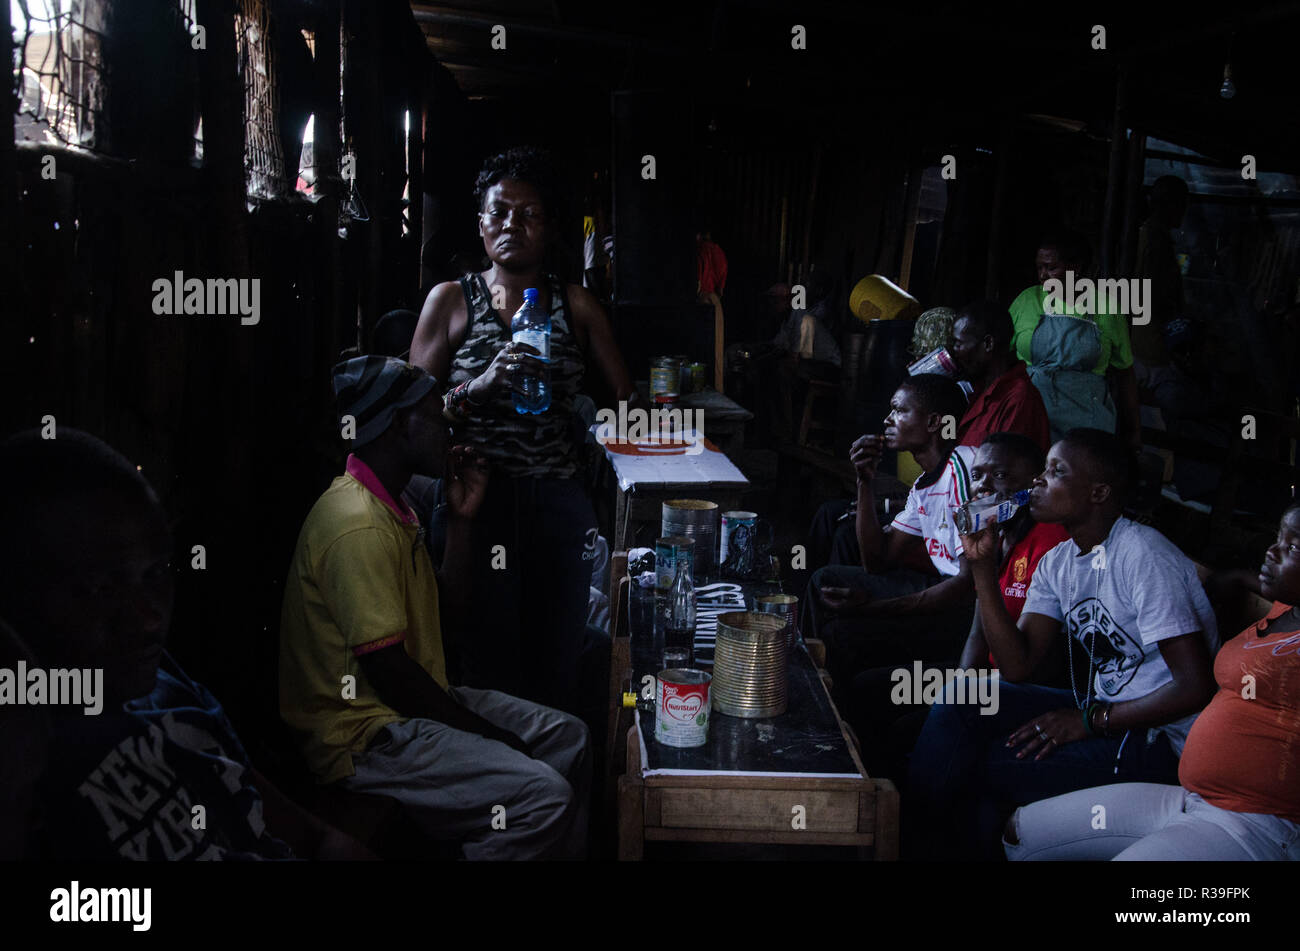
{"x":1021,"y":497}
{"x":530,"y":295}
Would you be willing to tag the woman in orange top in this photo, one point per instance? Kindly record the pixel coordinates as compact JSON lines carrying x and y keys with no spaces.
{"x":1239,"y":796}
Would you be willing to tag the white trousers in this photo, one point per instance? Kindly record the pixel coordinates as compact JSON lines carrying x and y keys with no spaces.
{"x":1146,"y":822}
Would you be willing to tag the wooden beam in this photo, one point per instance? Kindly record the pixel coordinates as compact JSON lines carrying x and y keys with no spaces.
{"x":430,"y":16}
{"x":221,"y":101}
{"x":493,"y":63}
{"x":1132,"y":201}
{"x":812,"y":204}
{"x":11,"y":327}
{"x":911,"y":208}
{"x":326,"y":151}
{"x":1114,"y":174}
{"x":366,"y":129}
{"x":993,"y":270}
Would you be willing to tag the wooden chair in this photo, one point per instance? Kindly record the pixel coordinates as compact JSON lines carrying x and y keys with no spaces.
{"x":1260,"y":457}
{"x":719,"y":341}
{"x":817,"y":651}
{"x":620,"y":660}
{"x":818,"y":390}
{"x":1236,"y":608}
{"x":379,"y":822}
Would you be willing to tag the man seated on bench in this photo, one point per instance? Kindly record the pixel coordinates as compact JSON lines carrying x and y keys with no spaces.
{"x":1135,"y":604}
{"x":362,"y":677}
{"x":1005,"y":399}
{"x":1005,"y":464}
{"x":143,"y":764}
{"x":1239,"y":797}
{"x":911,"y":597}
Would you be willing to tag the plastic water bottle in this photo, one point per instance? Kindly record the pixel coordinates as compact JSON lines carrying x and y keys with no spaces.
{"x":938,"y":361}
{"x":532,"y":325}
{"x":989,"y":510}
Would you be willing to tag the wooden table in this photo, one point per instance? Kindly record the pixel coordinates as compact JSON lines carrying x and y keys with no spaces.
{"x":643,"y":504}
{"x":795,"y":779}
{"x":645,"y":480}
{"x":724,"y":418}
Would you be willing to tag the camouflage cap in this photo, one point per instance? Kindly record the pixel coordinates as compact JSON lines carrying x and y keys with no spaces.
{"x":933,"y":330}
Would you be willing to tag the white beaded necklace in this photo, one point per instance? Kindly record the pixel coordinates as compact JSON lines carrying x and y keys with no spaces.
{"x":1098,"y":552}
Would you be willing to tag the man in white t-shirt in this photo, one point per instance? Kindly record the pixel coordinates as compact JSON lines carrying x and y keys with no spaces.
{"x":911,"y":598}
{"x":1120,"y":601}
{"x":1133,"y":601}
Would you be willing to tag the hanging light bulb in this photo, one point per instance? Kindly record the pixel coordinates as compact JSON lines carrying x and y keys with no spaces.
{"x":1229,"y":88}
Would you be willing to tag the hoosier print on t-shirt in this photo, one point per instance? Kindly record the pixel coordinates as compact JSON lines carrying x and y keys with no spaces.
{"x":1116,"y":655}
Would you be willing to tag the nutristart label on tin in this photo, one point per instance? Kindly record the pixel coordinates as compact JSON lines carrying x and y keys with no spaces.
{"x":682,"y":708}
{"x":667,"y":551}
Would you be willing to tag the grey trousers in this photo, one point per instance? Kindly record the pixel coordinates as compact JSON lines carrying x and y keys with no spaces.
{"x":500,"y":804}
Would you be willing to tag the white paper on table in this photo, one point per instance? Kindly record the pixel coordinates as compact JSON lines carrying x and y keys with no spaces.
{"x":647,"y":771}
{"x":673,"y":466}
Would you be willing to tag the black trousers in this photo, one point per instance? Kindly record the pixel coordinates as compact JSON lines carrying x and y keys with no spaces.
{"x":533,"y":544}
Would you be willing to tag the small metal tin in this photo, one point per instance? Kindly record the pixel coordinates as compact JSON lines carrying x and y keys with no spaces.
{"x":695,"y":373}
{"x":665,"y":380}
{"x":696,"y":519}
{"x":784,"y":606}
{"x":682,"y":707}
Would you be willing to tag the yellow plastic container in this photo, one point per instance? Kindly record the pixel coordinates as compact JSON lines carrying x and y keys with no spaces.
{"x":878,"y":298}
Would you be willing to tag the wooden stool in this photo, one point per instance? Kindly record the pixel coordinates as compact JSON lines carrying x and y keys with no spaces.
{"x":817,"y":389}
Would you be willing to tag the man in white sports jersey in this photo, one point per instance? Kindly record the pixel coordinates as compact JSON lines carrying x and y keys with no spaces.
{"x":912,"y":597}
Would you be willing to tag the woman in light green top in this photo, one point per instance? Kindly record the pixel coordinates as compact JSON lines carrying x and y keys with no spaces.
{"x":1082,"y":364}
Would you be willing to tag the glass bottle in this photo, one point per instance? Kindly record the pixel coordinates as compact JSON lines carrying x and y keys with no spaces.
{"x":679,"y":631}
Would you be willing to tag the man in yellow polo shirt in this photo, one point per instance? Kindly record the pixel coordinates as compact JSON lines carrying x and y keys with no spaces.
{"x":363,"y":685}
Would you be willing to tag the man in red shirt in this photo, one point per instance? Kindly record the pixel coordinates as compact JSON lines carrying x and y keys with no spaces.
{"x":1005,"y":399}
{"x":1004,"y":464}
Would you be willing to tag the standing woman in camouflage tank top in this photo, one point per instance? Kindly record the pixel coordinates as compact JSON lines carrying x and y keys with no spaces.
{"x":529,"y":618}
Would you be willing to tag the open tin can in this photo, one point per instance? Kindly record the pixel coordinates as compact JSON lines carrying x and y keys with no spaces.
{"x":682,"y":707}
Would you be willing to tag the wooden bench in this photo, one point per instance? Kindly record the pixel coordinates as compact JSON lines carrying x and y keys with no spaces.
{"x":378,"y":822}
{"x":620,"y":662}
{"x":1261,"y":457}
